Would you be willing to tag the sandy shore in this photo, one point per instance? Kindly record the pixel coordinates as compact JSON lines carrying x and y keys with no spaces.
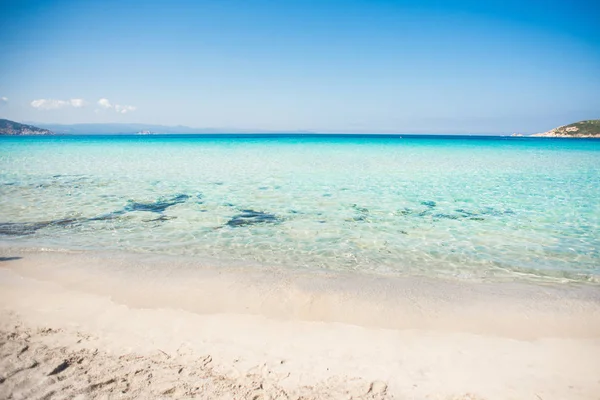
{"x":81,"y":325}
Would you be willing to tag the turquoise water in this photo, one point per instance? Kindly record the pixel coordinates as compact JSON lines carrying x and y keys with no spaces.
{"x":467,"y":208}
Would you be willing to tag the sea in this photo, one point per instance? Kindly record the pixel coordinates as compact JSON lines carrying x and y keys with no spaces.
{"x":475,"y":208}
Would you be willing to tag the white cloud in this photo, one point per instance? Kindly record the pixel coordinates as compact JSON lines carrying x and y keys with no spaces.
{"x":106,"y":104}
{"x":78,"y":103}
{"x":53,"y":104}
{"x":124,"y":109}
{"x":3,"y":99}
{"x":48,"y":104}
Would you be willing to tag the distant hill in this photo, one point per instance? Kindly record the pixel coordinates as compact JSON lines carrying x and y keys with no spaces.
{"x":16,"y":129}
{"x":582,"y":129}
{"x":144,"y":129}
{"x":116,"y":129}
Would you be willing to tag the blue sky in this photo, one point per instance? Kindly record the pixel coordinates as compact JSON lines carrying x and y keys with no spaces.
{"x":326,"y":66}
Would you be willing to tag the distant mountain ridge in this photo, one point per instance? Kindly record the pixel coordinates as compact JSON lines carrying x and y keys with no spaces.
{"x":143,"y":129}
{"x":581,"y":129}
{"x":13,"y":128}
{"x":115,"y":129}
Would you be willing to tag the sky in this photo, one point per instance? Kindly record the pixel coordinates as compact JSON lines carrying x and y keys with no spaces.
{"x":488,"y":67}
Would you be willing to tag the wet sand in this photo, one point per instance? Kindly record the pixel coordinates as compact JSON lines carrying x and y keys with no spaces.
{"x":94,"y":325}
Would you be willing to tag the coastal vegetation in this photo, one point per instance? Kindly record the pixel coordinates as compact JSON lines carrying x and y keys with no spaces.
{"x":581,"y":129}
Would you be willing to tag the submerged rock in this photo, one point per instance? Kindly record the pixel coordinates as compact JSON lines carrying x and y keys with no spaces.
{"x":363,"y":210}
{"x":162,"y":218}
{"x":251,"y":217}
{"x":107,"y":217}
{"x":430,"y":204}
{"x":18,"y":229}
{"x":464,"y":213}
{"x":363,"y":214}
{"x":446,"y":216}
{"x":158,"y":206}
{"x":404,"y":212}
{"x":29,"y":228}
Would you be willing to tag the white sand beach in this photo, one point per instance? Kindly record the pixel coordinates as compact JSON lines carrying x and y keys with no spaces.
{"x":119,"y":326}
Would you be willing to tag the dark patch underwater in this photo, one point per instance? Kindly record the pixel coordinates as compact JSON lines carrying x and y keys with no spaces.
{"x":252,"y":217}
{"x":29,"y":228}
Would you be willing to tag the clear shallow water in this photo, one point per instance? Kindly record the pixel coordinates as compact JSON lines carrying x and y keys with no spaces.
{"x":487,"y":208}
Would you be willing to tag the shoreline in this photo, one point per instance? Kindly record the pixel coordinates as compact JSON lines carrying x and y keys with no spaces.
{"x":275,"y":333}
{"x":362,"y":299}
